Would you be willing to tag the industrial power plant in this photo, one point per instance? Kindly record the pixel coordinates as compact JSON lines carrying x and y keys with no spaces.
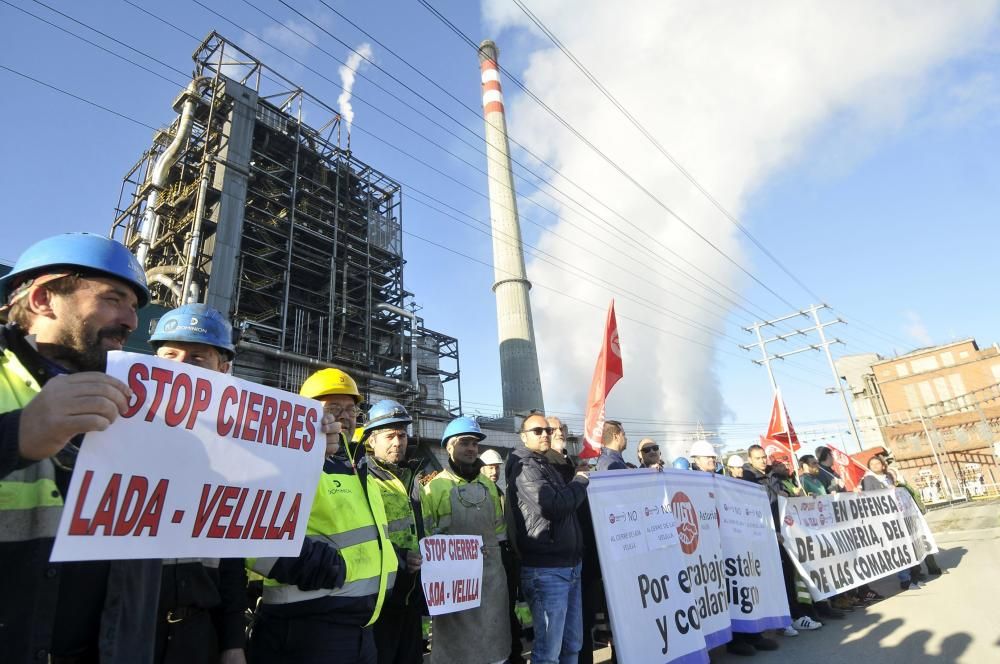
{"x":244,"y":205}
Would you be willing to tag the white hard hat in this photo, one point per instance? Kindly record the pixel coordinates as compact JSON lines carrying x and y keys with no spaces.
{"x":702,"y":448}
{"x":490,"y":457}
{"x":735,"y":461}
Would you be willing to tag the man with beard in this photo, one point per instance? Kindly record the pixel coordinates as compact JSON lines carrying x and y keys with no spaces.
{"x":69,"y":299}
{"x":202,"y":600}
{"x":462,"y":501}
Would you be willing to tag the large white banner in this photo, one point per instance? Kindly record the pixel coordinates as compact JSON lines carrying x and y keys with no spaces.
{"x":753,"y":562}
{"x":670,"y":578}
{"x":203,"y":465}
{"x":843,"y":540}
{"x":452,"y":572}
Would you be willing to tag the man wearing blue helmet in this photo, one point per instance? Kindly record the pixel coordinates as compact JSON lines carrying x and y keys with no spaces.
{"x":69,"y":299}
{"x":399,"y":629}
{"x":460,"y":500}
{"x":202,"y":601}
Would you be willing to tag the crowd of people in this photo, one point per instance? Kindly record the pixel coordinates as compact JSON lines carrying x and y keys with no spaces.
{"x":353,"y":594}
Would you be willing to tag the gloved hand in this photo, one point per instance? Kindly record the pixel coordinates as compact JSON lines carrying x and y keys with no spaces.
{"x":322,"y":568}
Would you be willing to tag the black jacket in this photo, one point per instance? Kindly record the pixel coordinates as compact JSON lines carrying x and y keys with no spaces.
{"x":34,"y":591}
{"x":541,"y":509}
{"x":216,"y":586}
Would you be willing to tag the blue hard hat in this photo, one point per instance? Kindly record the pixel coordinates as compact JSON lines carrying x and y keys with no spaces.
{"x":385,"y":413}
{"x":462,"y":426}
{"x":78,"y":251}
{"x":681,"y":463}
{"x":195,"y":323}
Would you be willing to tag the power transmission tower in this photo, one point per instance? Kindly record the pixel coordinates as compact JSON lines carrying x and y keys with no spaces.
{"x":818,"y":327}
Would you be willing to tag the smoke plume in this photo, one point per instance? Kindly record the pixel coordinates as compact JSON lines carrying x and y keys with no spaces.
{"x":735,"y":91}
{"x":347,"y":77}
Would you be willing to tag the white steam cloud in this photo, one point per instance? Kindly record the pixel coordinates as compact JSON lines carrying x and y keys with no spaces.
{"x":348,"y":72}
{"x":734,"y":91}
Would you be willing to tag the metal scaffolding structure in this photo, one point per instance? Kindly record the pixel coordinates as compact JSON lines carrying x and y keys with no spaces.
{"x":244,"y":206}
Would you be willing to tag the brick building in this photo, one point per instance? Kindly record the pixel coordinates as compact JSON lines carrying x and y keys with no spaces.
{"x":937,"y":409}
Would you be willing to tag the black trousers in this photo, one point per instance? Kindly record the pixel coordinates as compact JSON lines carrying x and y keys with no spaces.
{"x":399,"y":637}
{"x":192,"y":640}
{"x":309,"y":640}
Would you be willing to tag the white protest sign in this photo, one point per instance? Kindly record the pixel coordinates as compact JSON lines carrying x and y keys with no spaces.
{"x":755,"y":581}
{"x":843,"y":540}
{"x":452,"y":572}
{"x":201,"y":465}
{"x":642,"y":564}
{"x":923,"y":540}
{"x":692,"y":500}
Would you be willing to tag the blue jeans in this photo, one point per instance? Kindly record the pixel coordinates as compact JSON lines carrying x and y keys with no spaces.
{"x":553,"y":594}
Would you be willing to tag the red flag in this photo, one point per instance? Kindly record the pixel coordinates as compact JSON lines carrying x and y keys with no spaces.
{"x":848,"y":468}
{"x":779,"y":428}
{"x":607,"y":372}
{"x":777,"y":452}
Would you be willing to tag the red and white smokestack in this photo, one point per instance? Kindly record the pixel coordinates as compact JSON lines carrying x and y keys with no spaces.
{"x":521,"y":383}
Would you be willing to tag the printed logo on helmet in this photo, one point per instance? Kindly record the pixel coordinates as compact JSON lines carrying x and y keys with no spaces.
{"x":687,"y":521}
{"x":170,"y":325}
{"x":194,"y":321}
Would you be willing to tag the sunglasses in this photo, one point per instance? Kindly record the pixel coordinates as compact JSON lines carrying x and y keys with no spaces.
{"x":651,"y":448}
{"x":538,"y":431}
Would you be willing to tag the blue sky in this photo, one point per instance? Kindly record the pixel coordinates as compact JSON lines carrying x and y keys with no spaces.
{"x":877,"y":190}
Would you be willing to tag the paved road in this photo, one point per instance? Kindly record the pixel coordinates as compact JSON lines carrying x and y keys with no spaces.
{"x":954,"y":618}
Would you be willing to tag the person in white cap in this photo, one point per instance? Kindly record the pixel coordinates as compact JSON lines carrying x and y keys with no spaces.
{"x":703,"y":455}
{"x":734,"y":466}
{"x":491,"y":464}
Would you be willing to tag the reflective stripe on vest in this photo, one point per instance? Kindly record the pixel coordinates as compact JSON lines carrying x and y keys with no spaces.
{"x":282,"y":594}
{"x":30,"y":502}
{"x":437,"y":501}
{"x":207,"y":562}
{"x":343,"y":518}
{"x":402,"y":525}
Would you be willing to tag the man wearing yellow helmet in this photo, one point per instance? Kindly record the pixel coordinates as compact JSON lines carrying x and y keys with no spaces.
{"x":317,"y":607}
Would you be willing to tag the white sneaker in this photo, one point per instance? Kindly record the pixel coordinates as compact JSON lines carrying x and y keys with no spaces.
{"x":806,"y":623}
{"x":790,"y":631}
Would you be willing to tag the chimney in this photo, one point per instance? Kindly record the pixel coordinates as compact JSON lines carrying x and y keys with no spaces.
{"x":521,"y":384}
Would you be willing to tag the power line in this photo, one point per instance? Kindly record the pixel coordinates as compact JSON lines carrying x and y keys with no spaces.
{"x":618,"y":168}
{"x":659,"y":146}
{"x":423,"y":98}
{"x":451,"y":153}
{"x":77,"y":97}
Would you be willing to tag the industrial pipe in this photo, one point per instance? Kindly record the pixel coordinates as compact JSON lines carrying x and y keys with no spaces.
{"x":399,"y":311}
{"x":277,"y":354}
{"x":150,"y":226}
{"x":168,"y":282}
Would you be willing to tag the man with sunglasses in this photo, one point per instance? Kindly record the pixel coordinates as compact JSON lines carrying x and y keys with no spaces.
{"x":649,"y":454}
{"x":541,"y":515}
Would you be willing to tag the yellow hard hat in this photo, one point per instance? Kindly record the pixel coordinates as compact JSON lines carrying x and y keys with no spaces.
{"x":330,"y":381}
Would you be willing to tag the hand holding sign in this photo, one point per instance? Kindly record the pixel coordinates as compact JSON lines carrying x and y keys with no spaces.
{"x":68,"y":406}
{"x":185,"y":463}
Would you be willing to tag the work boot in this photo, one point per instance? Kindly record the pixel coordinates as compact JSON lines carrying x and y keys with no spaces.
{"x":826,"y":611}
{"x":741,"y":648}
{"x":764,"y":643}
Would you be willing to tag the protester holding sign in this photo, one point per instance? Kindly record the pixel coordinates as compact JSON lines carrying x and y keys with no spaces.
{"x":202,"y":601}
{"x":315,"y":607}
{"x":70,"y":299}
{"x":875,"y":479}
{"x":399,"y":629}
{"x":463,"y":501}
